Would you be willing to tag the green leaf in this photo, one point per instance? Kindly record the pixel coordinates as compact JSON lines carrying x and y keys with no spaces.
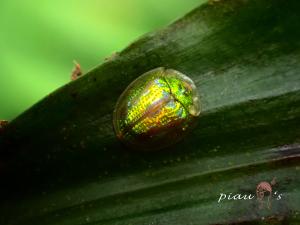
{"x":62,"y":164}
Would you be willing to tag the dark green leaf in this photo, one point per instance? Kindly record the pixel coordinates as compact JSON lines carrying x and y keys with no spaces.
{"x":61,"y":163}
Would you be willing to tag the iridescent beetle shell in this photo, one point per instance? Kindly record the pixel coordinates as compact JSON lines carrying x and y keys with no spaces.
{"x":156,"y":109}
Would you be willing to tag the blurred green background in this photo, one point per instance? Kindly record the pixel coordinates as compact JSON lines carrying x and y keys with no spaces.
{"x":40,"y":39}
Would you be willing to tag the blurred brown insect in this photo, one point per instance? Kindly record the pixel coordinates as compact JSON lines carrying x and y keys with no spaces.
{"x":76,"y":72}
{"x":263,"y":188}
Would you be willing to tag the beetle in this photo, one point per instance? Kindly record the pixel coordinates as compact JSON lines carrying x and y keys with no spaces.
{"x":156,"y":109}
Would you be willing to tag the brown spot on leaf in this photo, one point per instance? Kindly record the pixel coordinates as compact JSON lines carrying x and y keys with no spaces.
{"x":3,"y":124}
